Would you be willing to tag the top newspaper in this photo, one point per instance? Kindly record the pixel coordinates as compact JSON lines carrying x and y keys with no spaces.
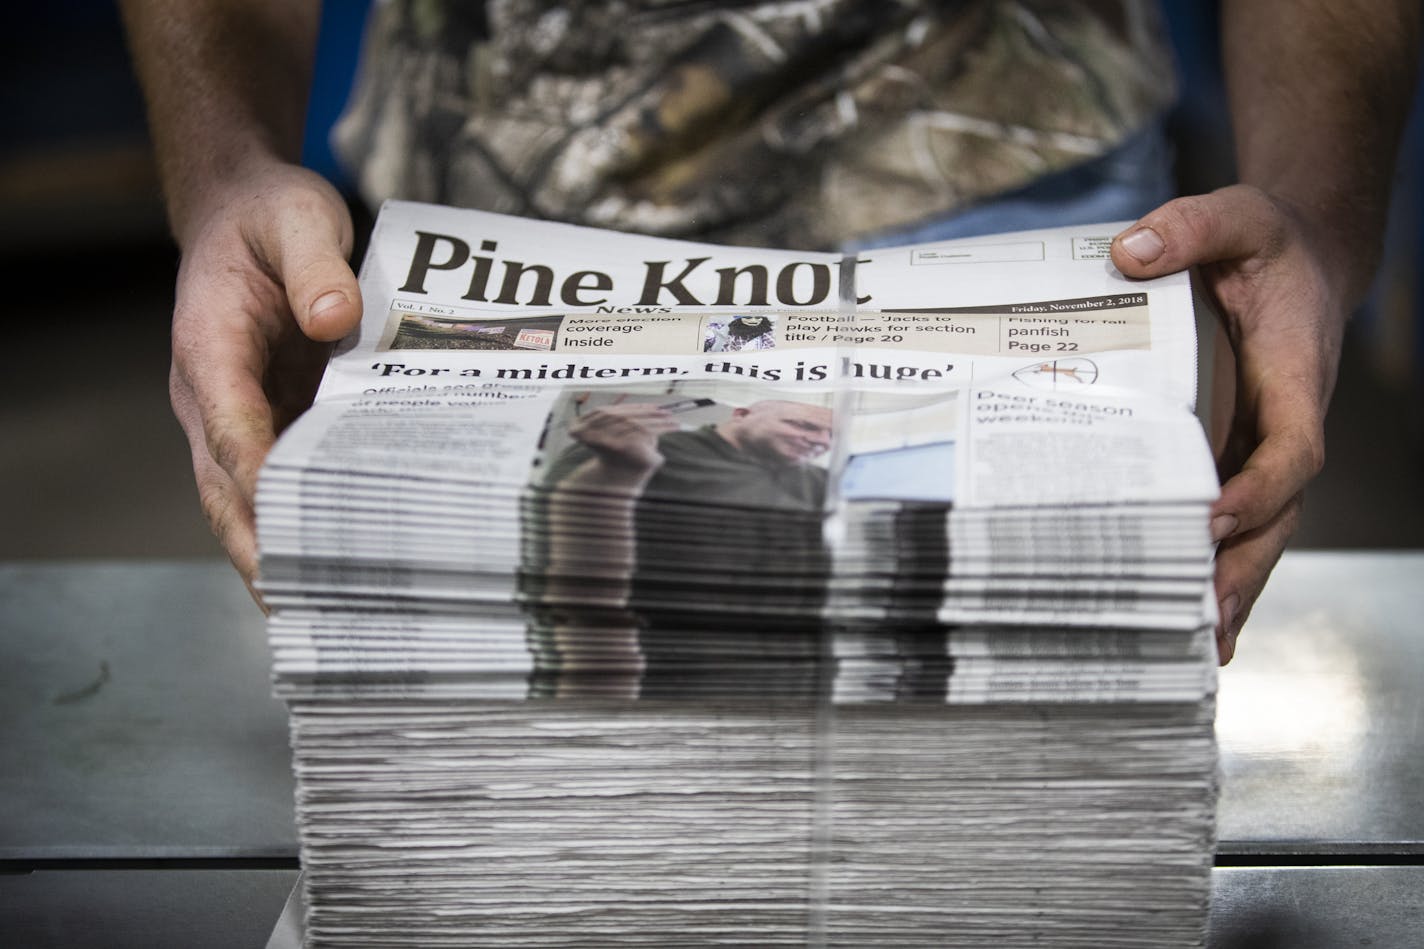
{"x":995,"y":430}
{"x":595,"y":551}
{"x":960,"y":371}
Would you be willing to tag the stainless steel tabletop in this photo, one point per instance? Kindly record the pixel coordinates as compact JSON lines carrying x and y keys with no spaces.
{"x":1252,"y":908}
{"x":1321,"y":715}
{"x":142,"y":909}
{"x":1381,"y":907}
{"x":136,"y":724}
{"x":136,"y":717}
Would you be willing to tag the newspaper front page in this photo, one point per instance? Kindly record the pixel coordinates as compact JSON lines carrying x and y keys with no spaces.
{"x":1010,"y":353}
{"x":994,"y":430}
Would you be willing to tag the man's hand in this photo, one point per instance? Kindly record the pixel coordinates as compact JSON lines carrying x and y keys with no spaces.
{"x":625,"y":437}
{"x":624,"y":442}
{"x":263,"y":288}
{"x":264,"y":283}
{"x":1284,"y":314}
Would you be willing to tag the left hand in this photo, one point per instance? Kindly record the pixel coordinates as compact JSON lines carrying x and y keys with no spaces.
{"x":262,"y":251}
{"x":1282,"y":306}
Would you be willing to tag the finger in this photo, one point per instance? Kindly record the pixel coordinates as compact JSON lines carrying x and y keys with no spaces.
{"x":221,"y":378}
{"x":623,"y":433}
{"x":1223,"y":406}
{"x":1291,"y":451}
{"x":231,"y":517}
{"x":293,"y":377}
{"x":1243,"y":564}
{"x":621,"y":421}
{"x":306,"y":244}
{"x":229,"y":514}
{"x":660,"y":424}
{"x":1236,"y":222}
{"x":634,"y":410}
{"x":216,"y":390}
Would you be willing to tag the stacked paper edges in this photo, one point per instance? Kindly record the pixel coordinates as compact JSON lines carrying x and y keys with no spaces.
{"x":630,"y":591}
{"x":708,"y":663}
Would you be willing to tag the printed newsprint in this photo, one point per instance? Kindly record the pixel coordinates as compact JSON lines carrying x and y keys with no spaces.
{"x":982,"y":385}
{"x":617,"y":581}
{"x":972,"y":366}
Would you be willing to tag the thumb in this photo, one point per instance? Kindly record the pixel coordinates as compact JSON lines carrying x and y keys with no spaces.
{"x":1235,"y":222}
{"x":308,"y":248}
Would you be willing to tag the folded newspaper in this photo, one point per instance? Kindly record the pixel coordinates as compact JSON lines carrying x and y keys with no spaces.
{"x":634,"y":591}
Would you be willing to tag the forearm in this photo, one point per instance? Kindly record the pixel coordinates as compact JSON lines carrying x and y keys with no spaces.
{"x":226,"y":83}
{"x":577,"y":555}
{"x":1319,"y":92}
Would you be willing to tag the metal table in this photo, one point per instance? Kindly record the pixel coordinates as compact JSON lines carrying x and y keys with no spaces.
{"x":137,"y":716}
{"x":146,"y":791}
{"x":1321,"y":718}
{"x":129,"y":907}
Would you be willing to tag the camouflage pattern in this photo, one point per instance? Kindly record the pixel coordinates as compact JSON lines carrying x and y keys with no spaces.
{"x":799,"y":123}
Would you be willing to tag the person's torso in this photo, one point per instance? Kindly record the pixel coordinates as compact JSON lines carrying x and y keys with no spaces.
{"x":796,"y":124}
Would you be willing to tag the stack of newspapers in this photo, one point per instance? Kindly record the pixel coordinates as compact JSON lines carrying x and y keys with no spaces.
{"x":627,"y":591}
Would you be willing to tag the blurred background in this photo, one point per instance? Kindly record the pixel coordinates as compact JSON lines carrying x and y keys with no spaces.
{"x":94,"y":466}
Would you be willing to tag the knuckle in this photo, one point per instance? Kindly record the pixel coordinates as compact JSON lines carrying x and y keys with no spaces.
{"x":1252,"y":194}
{"x":310,"y":276}
{"x":1315,"y":447}
{"x":178,"y":396}
{"x":1291,"y":514}
{"x":186,"y":337}
{"x":309,"y":194}
{"x":216,"y":502}
{"x":309,"y":203}
{"x":225,"y":447}
{"x":1192,"y":218}
{"x":185,"y":409}
{"x":1265,"y":220}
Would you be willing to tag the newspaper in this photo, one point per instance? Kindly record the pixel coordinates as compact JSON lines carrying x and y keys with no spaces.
{"x":995,"y":430}
{"x":628,"y":591}
{"x":1009,"y":348}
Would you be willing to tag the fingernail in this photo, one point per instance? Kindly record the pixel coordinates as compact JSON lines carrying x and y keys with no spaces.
{"x":1223,"y":526}
{"x":1227,"y":633}
{"x":1144,"y":244}
{"x":327,"y":301}
{"x":1228,"y":606}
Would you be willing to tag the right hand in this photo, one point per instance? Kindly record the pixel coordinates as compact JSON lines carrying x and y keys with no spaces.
{"x":625,"y":437}
{"x":263,"y":290}
{"x":1278,"y":279}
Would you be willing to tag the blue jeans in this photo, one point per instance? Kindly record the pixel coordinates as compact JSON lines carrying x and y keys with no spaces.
{"x":1122,"y":185}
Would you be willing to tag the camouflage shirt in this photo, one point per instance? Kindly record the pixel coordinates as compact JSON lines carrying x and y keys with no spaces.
{"x":799,"y":123}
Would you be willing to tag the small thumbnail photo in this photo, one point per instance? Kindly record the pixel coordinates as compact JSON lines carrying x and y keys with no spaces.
{"x":734,"y":334}
{"x":423,"y":331}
